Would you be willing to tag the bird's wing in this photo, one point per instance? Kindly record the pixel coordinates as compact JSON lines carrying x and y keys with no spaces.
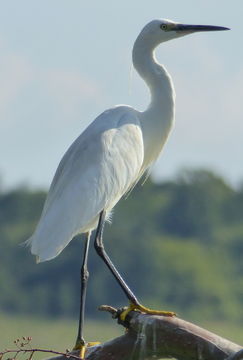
{"x":98,"y":168}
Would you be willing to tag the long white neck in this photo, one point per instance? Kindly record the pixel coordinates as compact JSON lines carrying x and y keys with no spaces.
{"x":154,"y":74}
{"x":158,"y":118}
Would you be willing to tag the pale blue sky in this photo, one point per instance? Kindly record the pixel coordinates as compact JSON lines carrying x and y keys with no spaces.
{"x":64,"y":62}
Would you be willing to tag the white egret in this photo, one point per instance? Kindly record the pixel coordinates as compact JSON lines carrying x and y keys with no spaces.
{"x":107,"y":160}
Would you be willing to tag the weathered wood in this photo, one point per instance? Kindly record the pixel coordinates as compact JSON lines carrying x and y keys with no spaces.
{"x":150,"y":337}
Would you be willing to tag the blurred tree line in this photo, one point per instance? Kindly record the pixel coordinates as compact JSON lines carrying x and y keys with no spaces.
{"x":179,"y":245}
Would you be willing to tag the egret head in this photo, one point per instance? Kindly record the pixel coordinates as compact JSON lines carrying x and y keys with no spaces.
{"x":158,"y":31}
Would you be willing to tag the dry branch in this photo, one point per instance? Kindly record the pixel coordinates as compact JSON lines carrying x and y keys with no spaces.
{"x":150,"y":336}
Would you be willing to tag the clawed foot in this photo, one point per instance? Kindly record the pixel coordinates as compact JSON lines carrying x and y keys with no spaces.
{"x":143,"y":309}
{"x":82,"y":346}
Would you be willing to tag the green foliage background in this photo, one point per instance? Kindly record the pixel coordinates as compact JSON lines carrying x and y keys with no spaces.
{"x":178,"y":244}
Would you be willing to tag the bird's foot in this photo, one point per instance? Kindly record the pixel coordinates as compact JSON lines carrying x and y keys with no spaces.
{"x":81,"y":345}
{"x":144,"y":310}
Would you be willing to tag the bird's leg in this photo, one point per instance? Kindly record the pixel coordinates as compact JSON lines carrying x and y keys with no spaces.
{"x":80,"y":342}
{"x":133,"y":302}
{"x":99,"y":247}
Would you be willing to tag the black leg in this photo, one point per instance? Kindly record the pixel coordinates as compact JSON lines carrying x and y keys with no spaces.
{"x":99,"y":247}
{"x":84,"y":279}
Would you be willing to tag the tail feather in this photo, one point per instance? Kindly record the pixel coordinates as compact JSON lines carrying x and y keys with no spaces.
{"x":47,"y":248}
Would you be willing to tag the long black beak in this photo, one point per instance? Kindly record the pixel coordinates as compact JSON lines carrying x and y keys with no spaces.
{"x":194,"y":28}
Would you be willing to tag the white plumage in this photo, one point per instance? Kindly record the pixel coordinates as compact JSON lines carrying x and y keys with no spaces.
{"x":110,"y":156}
{"x":93,"y":174}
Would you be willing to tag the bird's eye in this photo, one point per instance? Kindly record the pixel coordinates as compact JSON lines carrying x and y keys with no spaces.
{"x":164,"y":27}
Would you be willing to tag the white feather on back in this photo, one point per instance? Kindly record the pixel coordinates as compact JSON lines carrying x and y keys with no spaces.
{"x":95,"y":172}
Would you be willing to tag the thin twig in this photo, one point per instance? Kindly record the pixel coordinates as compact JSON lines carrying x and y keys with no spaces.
{"x":32,"y":351}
